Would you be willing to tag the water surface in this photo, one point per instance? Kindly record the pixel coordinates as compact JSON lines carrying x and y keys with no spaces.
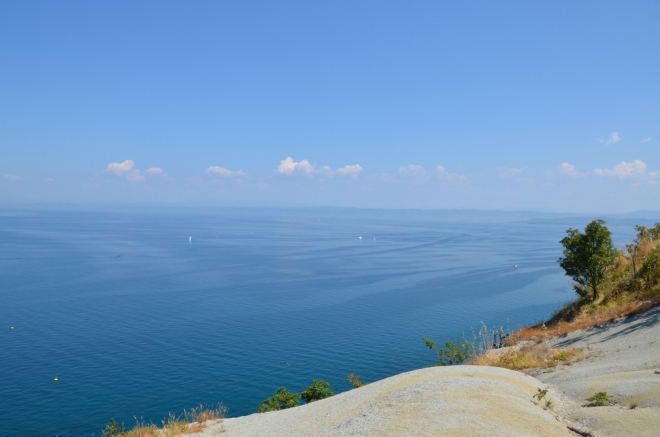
{"x":136,"y":320}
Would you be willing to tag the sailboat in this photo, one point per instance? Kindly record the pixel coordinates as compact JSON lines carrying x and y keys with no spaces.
{"x":190,"y":239}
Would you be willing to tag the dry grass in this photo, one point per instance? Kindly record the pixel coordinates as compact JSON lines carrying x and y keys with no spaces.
{"x":182,"y":428}
{"x":190,"y":422}
{"x":583,"y":320}
{"x":194,"y":420}
{"x":201,"y":413}
{"x":532,"y":356}
{"x":142,"y":430}
{"x":175,"y":428}
{"x":206,"y":415}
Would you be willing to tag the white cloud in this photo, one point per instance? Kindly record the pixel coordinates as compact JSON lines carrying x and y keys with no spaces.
{"x":120,"y":168}
{"x":625,"y":170}
{"x":350,"y":170}
{"x":135,"y":176}
{"x":155,"y":171}
{"x":288,"y":166}
{"x":326,"y":171}
{"x":646,"y":140}
{"x":569,"y":170}
{"x":412,"y":170}
{"x":615,"y":137}
{"x":221,"y":171}
{"x":446,"y":176}
{"x":127,"y":169}
{"x":12,"y":177}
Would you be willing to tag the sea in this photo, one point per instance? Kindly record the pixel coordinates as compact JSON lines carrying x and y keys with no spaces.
{"x":144,"y":311}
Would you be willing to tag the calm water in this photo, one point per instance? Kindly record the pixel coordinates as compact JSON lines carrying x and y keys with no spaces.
{"x":135,"y":320}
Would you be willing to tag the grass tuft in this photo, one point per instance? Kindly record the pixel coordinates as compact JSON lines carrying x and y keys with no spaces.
{"x":533,"y":356}
{"x":143,"y":430}
{"x":189,"y":422}
{"x":355,"y":380}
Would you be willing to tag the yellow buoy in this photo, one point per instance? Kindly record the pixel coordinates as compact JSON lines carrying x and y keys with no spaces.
{"x":56,"y":379}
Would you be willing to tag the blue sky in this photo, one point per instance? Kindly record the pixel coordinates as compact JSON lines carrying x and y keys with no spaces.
{"x":366,"y":104}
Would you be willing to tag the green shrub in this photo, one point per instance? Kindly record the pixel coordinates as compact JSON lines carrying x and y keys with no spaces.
{"x":452,"y":353}
{"x":280,"y":401}
{"x":318,"y":390}
{"x":600,"y":399}
{"x":114,"y":429}
{"x":650,"y":270}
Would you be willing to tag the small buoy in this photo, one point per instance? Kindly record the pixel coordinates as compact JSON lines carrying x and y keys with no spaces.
{"x":11,"y":328}
{"x":515,"y":266}
{"x":359,"y":238}
{"x":56,"y":379}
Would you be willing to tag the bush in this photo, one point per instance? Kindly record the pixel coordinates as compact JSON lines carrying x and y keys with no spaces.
{"x":318,"y":390}
{"x":452,"y":353}
{"x":600,"y":399}
{"x":650,"y":270}
{"x":114,"y":429}
{"x":280,"y":401}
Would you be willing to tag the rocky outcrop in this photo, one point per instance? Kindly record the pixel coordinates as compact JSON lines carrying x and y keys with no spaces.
{"x":438,"y":401}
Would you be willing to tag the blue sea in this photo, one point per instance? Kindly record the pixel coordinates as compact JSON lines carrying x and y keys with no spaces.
{"x":143,"y":312}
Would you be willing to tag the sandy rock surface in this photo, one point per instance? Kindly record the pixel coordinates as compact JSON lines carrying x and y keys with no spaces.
{"x":624,"y":361}
{"x":626,"y":365}
{"x":439,"y":401}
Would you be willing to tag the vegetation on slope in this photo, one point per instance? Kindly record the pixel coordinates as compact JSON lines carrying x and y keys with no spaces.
{"x":610,"y":284}
{"x":282,"y":399}
{"x":190,"y":422}
{"x":630,"y":284}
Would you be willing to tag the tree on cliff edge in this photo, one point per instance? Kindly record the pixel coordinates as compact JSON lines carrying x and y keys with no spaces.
{"x":587,"y":256}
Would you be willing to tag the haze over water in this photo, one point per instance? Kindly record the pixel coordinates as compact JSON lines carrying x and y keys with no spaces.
{"x":137,"y":320}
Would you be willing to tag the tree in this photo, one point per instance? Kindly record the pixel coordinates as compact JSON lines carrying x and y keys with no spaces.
{"x":587,"y":256}
{"x":633,"y":251}
{"x":320,"y":389}
{"x":281,"y":400}
{"x":644,"y":233}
